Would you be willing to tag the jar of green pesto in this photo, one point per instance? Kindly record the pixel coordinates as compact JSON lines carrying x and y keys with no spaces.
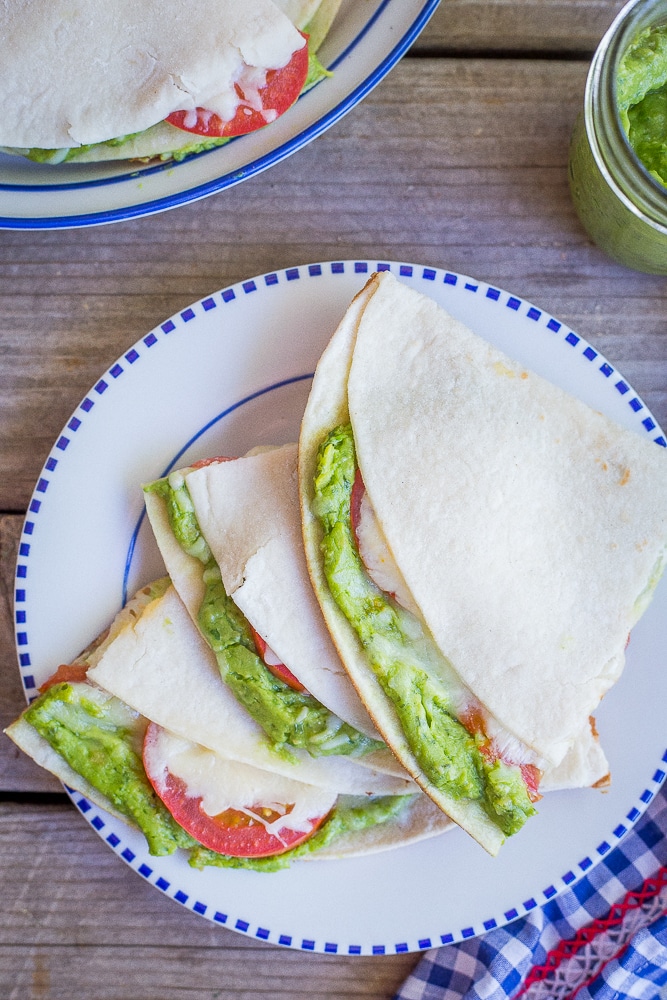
{"x":618,"y":153}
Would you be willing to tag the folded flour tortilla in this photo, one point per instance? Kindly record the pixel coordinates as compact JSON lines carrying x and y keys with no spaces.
{"x":88,"y":71}
{"x":526,"y":530}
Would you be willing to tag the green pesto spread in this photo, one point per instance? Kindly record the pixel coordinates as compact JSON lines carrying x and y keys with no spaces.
{"x":404,"y":658}
{"x":641,"y":91}
{"x":100,"y":738}
{"x":290,"y":718}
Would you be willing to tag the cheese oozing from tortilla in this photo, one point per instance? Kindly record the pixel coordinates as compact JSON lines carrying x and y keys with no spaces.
{"x":78,"y":73}
{"x":223,"y":784}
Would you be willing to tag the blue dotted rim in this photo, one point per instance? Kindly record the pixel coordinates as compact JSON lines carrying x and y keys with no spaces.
{"x":103,"y":823}
{"x":232,"y":178}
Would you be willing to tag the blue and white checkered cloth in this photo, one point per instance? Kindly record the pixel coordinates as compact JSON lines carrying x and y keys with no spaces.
{"x":628,"y":960}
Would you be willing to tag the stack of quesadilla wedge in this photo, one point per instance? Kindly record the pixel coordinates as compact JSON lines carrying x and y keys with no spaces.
{"x":230,"y":534}
{"x":142,"y":725}
{"x":432,"y":591}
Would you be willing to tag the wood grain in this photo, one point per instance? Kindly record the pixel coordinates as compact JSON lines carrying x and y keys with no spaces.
{"x":556,"y":26}
{"x":76,"y":922}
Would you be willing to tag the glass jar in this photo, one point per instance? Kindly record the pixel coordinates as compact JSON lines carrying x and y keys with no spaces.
{"x":623,"y":207}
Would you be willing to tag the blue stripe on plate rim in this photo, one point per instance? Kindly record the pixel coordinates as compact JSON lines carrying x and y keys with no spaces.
{"x":235,"y":177}
{"x":102,"y":822}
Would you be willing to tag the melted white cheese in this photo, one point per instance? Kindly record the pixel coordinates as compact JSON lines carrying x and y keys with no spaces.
{"x":377,"y":558}
{"x":225,"y":784}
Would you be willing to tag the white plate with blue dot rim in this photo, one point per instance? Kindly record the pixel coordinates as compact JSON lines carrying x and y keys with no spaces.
{"x":233,"y":371}
{"x":365,"y":42}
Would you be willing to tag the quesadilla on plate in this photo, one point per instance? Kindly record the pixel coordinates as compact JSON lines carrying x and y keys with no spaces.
{"x":481,"y":544}
{"x":141,"y":724}
{"x":94,"y":80}
{"x":229,"y":533}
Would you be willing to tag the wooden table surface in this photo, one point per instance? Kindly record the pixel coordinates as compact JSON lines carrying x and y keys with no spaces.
{"x":458,"y":159}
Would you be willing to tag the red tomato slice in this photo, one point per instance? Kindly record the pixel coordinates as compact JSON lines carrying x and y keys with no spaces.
{"x":231,"y":832}
{"x":74,"y":672}
{"x":272,"y":663}
{"x":357,"y":495}
{"x":531,"y":776}
{"x":279,"y":93}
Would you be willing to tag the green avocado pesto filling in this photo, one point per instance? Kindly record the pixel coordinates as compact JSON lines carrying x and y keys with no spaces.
{"x":641,"y":93}
{"x":290,"y":718}
{"x":404,"y":658}
{"x":101,"y":740}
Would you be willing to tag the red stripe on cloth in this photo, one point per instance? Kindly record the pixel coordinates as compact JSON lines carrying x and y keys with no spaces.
{"x":567,"y":949}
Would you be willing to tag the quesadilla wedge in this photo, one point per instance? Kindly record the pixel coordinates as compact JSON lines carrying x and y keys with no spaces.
{"x":125,"y":80}
{"x":229,"y":533}
{"x":481,"y":578}
{"x":225,"y":810}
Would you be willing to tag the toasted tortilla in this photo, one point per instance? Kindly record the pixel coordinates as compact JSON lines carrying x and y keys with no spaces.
{"x":420,"y":820}
{"x":585,"y":765}
{"x":79,"y":72}
{"x":495,"y":491}
{"x":314,"y":17}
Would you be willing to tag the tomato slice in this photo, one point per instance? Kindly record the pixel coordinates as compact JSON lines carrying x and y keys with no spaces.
{"x":234,"y":831}
{"x":255,"y":110}
{"x":357,"y":495}
{"x":73,"y":672}
{"x":273,"y":664}
{"x":531,"y":776}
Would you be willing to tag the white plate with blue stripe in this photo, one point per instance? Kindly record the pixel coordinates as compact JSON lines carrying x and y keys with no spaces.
{"x":231,"y":372}
{"x":366,"y":41}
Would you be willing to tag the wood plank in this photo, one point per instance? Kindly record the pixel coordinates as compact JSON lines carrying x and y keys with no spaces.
{"x":473,"y":178}
{"x":77,"y":922}
{"x":556,"y":26}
